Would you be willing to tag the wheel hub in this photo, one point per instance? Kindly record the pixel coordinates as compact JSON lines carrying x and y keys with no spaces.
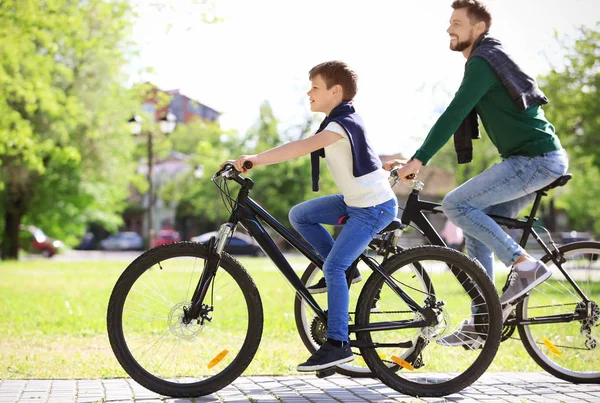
{"x":434,"y":332}
{"x":184,"y":331}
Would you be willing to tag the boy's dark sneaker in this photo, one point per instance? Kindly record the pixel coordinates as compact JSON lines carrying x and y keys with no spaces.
{"x":326,"y":357}
{"x":321,"y":286}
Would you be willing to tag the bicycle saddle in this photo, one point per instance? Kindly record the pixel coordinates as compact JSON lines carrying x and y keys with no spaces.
{"x":395,"y":224}
{"x":562,"y":181}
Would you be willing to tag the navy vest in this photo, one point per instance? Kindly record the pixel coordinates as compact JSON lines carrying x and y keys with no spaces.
{"x":364,"y":159}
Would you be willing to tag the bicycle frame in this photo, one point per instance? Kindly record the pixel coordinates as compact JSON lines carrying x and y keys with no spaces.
{"x":247,"y":213}
{"x":413,"y":213}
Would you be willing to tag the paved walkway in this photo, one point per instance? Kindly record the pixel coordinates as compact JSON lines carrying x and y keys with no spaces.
{"x":492,"y":387}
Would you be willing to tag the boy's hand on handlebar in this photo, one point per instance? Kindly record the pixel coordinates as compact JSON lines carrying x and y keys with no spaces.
{"x":239,"y":165}
{"x":388,"y":165}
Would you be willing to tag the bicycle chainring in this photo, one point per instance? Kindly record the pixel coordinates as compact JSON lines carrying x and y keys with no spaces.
{"x":318,"y":331}
{"x":507,"y":331}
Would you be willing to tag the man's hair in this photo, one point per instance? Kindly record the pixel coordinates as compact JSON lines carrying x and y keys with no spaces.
{"x":476,"y":10}
{"x":337,"y":73}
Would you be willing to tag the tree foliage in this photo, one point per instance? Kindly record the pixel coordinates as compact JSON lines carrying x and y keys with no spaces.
{"x":63,"y":151}
{"x":574,"y":110}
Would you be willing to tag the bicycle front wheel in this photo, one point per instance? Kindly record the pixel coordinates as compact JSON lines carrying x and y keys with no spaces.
{"x":418,"y":359}
{"x":153,"y":343}
{"x":567,"y":348}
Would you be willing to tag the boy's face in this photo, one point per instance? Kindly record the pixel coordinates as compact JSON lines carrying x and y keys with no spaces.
{"x":323,"y":99}
{"x":462,"y":33}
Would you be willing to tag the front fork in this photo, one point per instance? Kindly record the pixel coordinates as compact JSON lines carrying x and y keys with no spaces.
{"x":198,"y":310}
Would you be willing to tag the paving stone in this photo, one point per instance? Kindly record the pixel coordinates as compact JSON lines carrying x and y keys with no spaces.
{"x":492,"y":387}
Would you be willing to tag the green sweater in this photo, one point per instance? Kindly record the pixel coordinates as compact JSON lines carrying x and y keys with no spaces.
{"x":512,"y":131}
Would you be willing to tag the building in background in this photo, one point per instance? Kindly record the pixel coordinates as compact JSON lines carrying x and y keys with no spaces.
{"x":185,"y":110}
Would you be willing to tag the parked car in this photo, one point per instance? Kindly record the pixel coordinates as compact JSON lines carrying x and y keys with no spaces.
{"x":88,"y":242}
{"x":166,"y":236}
{"x":574,"y":236}
{"x":239,"y":244}
{"x":33,"y":240}
{"x":127,"y":240}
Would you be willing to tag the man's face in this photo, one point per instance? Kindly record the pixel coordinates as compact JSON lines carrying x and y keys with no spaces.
{"x":462,"y":33}
{"x":322,"y":99}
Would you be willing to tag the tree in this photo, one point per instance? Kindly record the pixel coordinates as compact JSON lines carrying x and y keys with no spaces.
{"x":574,"y":111}
{"x":63,"y":147}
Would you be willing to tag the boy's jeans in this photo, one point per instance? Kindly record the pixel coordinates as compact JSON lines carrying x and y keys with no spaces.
{"x":504,"y":189}
{"x":354,"y":238}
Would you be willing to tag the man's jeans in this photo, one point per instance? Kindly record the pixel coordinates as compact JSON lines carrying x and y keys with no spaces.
{"x":504,"y":189}
{"x":354,"y":238}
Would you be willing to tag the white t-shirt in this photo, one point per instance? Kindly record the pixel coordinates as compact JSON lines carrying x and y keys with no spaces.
{"x":366,"y":191}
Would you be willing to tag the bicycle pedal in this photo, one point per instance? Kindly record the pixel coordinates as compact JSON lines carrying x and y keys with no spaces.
{"x":325,"y":372}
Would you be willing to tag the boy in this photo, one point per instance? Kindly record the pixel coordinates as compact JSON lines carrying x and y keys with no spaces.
{"x":366,"y":197}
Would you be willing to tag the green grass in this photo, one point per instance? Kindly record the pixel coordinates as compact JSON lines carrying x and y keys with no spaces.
{"x":53,"y":321}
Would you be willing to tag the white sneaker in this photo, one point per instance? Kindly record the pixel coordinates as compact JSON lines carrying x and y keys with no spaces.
{"x":466,"y":336}
{"x":520,"y":282}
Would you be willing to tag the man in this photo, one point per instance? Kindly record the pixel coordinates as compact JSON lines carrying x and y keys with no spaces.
{"x":508,"y":103}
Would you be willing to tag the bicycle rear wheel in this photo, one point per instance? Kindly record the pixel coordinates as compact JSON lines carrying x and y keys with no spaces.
{"x":313,"y":332}
{"x":568,"y":349}
{"x":152,"y":342}
{"x":416,"y":360}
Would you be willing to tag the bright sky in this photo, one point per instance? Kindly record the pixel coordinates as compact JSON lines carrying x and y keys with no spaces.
{"x":263,"y":50}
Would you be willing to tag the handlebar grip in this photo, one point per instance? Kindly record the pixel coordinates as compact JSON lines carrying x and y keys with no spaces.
{"x":248,"y":165}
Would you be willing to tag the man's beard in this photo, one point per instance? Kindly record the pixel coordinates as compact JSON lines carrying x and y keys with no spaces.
{"x":460,"y":46}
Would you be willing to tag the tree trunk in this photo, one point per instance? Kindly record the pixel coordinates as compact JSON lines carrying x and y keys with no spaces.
{"x":12,"y":220}
{"x":551,"y":216}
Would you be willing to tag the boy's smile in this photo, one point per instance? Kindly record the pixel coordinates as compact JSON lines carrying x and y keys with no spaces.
{"x":321,"y":98}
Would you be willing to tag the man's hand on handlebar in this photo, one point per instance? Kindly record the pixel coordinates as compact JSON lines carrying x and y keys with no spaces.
{"x":407,"y":170}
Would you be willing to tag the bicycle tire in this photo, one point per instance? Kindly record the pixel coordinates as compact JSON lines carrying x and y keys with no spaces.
{"x":149,"y":338}
{"x":560,"y":348}
{"x":427,"y":373}
{"x":305,"y":317}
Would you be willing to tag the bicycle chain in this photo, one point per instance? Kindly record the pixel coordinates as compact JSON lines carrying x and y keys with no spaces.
{"x":385,"y":312}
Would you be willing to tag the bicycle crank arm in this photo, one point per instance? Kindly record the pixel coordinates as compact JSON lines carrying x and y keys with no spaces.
{"x":364,"y":344}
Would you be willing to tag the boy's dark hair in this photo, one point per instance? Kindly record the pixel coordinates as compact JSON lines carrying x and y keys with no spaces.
{"x":476,"y":10}
{"x":337,"y":73}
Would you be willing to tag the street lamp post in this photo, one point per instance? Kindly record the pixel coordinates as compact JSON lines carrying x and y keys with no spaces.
{"x":166,"y":125}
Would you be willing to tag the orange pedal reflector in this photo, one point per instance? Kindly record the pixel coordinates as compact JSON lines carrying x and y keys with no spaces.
{"x":551,"y":346}
{"x":402,"y":363}
{"x":217,"y":359}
